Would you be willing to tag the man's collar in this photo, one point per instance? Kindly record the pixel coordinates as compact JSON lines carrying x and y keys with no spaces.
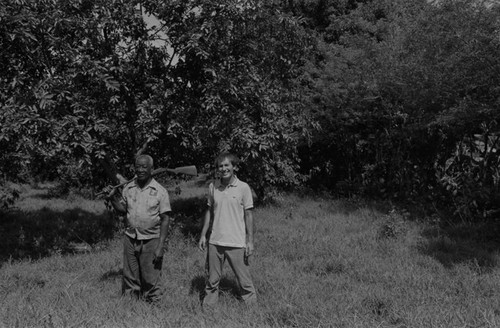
{"x":152,"y":184}
{"x":235,"y":182}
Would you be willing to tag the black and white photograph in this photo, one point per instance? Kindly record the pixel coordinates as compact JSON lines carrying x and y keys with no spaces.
{"x":250,"y":163}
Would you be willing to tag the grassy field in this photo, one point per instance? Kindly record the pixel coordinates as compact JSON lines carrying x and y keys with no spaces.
{"x":319,"y":263}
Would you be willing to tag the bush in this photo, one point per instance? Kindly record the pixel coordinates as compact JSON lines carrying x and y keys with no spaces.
{"x":8,"y":195}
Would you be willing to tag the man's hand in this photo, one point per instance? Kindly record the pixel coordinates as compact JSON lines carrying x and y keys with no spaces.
{"x":202,"y":244}
{"x":158,"y":254}
{"x":109,"y":191}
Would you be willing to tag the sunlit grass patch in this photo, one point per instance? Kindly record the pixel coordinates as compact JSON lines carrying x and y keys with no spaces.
{"x":318,"y":263}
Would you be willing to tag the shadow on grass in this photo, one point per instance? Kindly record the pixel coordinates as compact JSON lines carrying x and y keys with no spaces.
{"x":226,"y":286}
{"x":44,"y":232}
{"x":187,"y":215}
{"x":112,"y":274}
{"x":473,"y":244}
{"x":198,"y":287}
{"x":40,"y":233}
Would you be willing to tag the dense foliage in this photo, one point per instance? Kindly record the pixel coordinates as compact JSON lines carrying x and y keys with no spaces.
{"x":407,"y":96}
{"x":89,"y":80}
{"x":392,"y":98}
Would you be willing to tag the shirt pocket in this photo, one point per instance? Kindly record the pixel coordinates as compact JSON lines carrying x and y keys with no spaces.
{"x":152,"y":203}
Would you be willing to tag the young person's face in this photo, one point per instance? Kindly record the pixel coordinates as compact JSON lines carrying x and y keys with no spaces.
{"x":226,"y":169}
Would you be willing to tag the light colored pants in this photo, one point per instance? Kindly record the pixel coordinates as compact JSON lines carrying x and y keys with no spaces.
{"x":236,"y":258}
{"x":141,"y":275}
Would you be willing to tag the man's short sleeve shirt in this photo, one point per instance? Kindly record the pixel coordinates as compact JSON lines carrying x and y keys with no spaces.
{"x":144,"y":207}
{"x":229,"y":204}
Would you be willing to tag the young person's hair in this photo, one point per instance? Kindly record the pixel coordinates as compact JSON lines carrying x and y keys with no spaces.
{"x":147,"y":157}
{"x":232,"y":158}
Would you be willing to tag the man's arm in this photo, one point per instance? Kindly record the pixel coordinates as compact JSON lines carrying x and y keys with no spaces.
{"x":116,"y":200}
{"x":203,"y":238}
{"x":249,"y":231}
{"x":164,"y":224}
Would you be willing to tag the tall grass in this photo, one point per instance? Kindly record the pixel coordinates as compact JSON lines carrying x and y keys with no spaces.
{"x":318,"y":263}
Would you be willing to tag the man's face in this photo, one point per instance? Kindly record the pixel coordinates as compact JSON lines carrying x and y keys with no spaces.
{"x":226,"y":169}
{"x":142,"y":169}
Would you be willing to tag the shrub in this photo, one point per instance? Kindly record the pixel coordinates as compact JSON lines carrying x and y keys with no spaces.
{"x":8,"y":196}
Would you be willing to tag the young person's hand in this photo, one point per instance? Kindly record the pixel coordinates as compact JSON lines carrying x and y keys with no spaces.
{"x":249,"y":249}
{"x":248,"y":253}
{"x":202,"y":244}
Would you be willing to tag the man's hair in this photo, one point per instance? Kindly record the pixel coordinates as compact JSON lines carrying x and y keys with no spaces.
{"x":147,"y":157}
{"x":232,"y":158}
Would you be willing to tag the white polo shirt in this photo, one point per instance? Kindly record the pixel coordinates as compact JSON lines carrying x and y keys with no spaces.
{"x":229,"y":204}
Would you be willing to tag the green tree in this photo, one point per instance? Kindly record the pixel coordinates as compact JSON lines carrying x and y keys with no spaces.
{"x":236,"y":84}
{"x":397,"y":86}
{"x":89,"y":79}
{"x":67,"y":78}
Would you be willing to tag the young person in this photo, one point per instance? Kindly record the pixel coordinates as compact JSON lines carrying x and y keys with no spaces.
{"x":146,"y":205}
{"x":230,"y":202}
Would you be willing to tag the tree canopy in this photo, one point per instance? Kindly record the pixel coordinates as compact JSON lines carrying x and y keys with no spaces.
{"x":88,"y":79}
{"x":387,"y":98}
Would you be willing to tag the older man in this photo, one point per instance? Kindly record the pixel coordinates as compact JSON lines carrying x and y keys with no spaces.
{"x":146,"y":205}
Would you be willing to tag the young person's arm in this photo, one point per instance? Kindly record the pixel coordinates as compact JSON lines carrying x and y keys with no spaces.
{"x":203,"y":238}
{"x":249,"y":231}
